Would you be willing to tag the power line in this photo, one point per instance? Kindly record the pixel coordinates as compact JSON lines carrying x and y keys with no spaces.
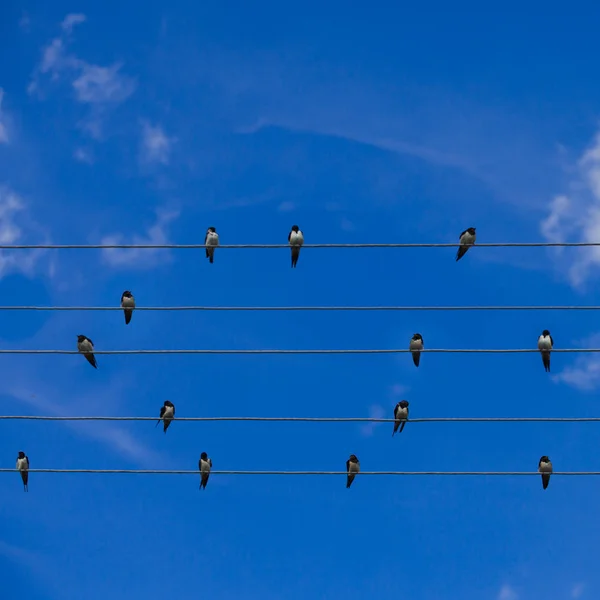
{"x":318,"y":419}
{"x":272,"y":246}
{"x":311,"y":351}
{"x":197,"y":472}
{"x":302,"y":308}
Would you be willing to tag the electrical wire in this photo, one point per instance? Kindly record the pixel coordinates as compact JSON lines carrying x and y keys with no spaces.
{"x":301,"y":308}
{"x":408,"y":473}
{"x":272,"y":246}
{"x":315,"y":419}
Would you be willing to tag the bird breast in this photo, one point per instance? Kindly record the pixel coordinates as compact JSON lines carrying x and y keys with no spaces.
{"x":212,"y":239}
{"x":545,"y":468}
{"x":402,"y":413}
{"x":354,"y":468}
{"x":84,"y":346}
{"x":467,"y":238}
{"x":21,"y":464}
{"x":168,"y":414}
{"x":204,"y":466}
{"x":296,"y":239}
{"x":416,"y":345}
{"x":544,"y":343}
{"x":128,"y":302}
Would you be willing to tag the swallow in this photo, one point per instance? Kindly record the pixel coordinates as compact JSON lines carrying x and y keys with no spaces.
{"x":467,"y":239}
{"x":400,"y":416}
{"x":127,"y":304}
{"x":545,"y":344}
{"x":211,"y":241}
{"x":415,"y":346}
{"x":167,"y":413}
{"x":295,"y":240}
{"x":352,"y":468}
{"x":86,"y":347}
{"x":23,"y":467}
{"x":545,"y":468}
{"x":205,"y":465}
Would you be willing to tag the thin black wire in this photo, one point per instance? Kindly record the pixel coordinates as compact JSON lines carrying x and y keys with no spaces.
{"x":303,"y":308}
{"x":408,"y":473}
{"x":316,"y":419}
{"x":271,"y":246}
{"x":311,"y":351}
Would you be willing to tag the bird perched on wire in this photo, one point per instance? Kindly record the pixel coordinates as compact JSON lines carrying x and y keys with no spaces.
{"x":545,"y":468}
{"x":205,"y":465}
{"x":23,"y":467}
{"x":86,"y":347}
{"x":352,"y":468}
{"x":167,"y":413}
{"x":400,"y":416}
{"x":211,"y":241}
{"x":127,"y":304}
{"x":545,"y":345}
{"x":415,"y":346}
{"x":467,"y":239}
{"x":295,"y":240}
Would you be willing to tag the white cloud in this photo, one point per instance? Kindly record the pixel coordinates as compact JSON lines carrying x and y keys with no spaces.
{"x":507,"y":593}
{"x":140,"y":258}
{"x":3,"y":132}
{"x":286,"y":206}
{"x":155,"y":145}
{"x":71,"y":20}
{"x":575,"y":217}
{"x":577,"y":590}
{"x":15,"y":220}
{"x":375,"y":412}
{"x":584,"y":374}
{"x":100,"y":87}
{"x":83,"y":155}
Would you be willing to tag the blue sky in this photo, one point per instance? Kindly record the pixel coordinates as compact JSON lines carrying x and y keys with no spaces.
{"x":385,"y":124}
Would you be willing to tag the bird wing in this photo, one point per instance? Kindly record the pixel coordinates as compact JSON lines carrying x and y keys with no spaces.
{"x":551,"y":340}
{"x":210,"y":463}
{"x":463,"y":233}
{"x":206,"y":238}
{"x":289,"y":236}
{"x":27,"y":461}
{"x":163,"y":409}
{"x":348,"y":466}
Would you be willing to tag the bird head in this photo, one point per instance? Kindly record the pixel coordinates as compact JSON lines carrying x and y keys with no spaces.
{"x":417,"y":336}
{"x":168,"y":403}
{"x":21,"y":454}
{"x":353,"y":458}
{"x":295,"y":228}
{"x":80,"y":338}
{"x":212,"y":230}
{"x":471,"y":230}
{"x":544,"y":459}
{"x":204,"y":456}
{"x":126,"y":294}
{"x":403,"y":403}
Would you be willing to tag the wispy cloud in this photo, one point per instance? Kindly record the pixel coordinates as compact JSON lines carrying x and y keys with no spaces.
{"x":507,"y":593}
{"x":71,"y":20}
{"x":584,"y":374}
{"x":15,"y":222}
{"x":100,"y":87}
{"x":575,"y":217}
{"x":83,"y":155}
{"x":286,"y":206}
{"x":3,"y":131}
{"x":577,"y":590}
{"x":376,"y":411}
{"x":138,"y":257}
{"x":155,"y":145}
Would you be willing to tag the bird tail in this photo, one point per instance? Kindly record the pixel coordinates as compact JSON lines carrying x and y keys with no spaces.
{"x":546,"y":361}
{"x":295,"y":256}
{"x":157,"y":424}
{"x":128,"y":312}
{"x":545,"y":480}
{"x":349,"y":481}
{"x":395,"y":429}
{"x":416,"y":358}
{"x":402,"y":426}
{"x":204,"y":480}
{"x":92,"y":360}
{"x":211,"y":256}
{"x":166,"y":422}
{"x":25,"y":478}
{"x":462,"y":250}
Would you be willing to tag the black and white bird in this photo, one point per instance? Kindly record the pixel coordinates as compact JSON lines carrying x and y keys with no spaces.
{"x":467,"y":239}
{"x":167,"y":413}
{"x":545,"y":468}
{"x":400,"y":416}
{"x":127,"y":304}
{"x":295,"y":240}
{"x":23,"y":467}
{"x":352,"y":468}
{"x":86,"y":347}
{"x":415,"y":346}
{"x":545,"y":344}
{"x":205,"y":465}
{"x":211,"y":241}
